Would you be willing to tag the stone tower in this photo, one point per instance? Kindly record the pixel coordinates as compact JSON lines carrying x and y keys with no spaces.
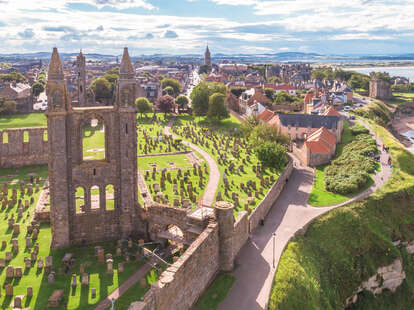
{"x":207,"y":57}
{"x":379,"y":88}
{"x":81,"y":76}
{"x":59,"y":145}
{"x":95,"y":220}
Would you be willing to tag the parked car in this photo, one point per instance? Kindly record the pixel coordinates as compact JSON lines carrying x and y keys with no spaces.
{"x":352,"y":117}
{"x":347,"y":108}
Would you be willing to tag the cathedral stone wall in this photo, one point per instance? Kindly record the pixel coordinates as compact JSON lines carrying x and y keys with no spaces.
{"x":15,"y":152}
{"x":183,"y":283}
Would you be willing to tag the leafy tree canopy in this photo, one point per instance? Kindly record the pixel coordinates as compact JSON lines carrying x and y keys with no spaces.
{"x":102,"y":88}
{"x":174,"y":84}
{"x":181,"y":101}
{"x":216,"y":108}
{"x":272,"y":155}
{"x":143,"y":105}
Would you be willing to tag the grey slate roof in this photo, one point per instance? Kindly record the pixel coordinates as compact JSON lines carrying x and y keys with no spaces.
{"x":307,"y":120}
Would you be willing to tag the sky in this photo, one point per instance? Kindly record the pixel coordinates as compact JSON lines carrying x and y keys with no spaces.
{"x":374,"y":27}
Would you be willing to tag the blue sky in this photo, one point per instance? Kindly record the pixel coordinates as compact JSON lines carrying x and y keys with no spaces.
{"x":228,"y":26}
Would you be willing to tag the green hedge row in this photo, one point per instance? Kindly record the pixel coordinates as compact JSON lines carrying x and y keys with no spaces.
{"x":350,"y":171}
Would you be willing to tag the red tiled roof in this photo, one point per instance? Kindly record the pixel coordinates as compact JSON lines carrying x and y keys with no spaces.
{"x":266,"y":115}
{"x":273,"y":121}
{"x":280,"y":87}
{"x":259,"y":97}
{"x":331,"y":111}
{"x":322,"y":141}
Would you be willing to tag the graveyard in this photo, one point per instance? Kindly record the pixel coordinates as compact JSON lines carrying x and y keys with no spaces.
{"x":244,"y":181}
{"x":32,"y":273}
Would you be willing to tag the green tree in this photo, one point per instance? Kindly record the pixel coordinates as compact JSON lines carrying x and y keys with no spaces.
{"x":143,"y":105}
{"x":200,"y":98}
{"x":272,"y":155}
{"x":266,"y":133}
{"x":7,"y":106}
{"x":204,"y":69}
{"x":283,"y":98}
{"x":113,"y":71}
{"x":216,"y":107}
{"x":13,"y":76}
{"x":182,"y":102}
{"x":102,"y":88}
{"x":37,"y":88}
{"x":269,"y":93}
{"x":249,"y":124}
{"x":215,"y":87}
{"x":111,"y":78}
{"x":176,"y":86}
{"x":237,"y":91}
{"x":169,"y":90}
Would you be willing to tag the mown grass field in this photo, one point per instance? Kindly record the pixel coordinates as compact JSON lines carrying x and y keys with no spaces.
{"x":343,"y":248}
{"x":216,"y":293}
{"x":23,"y":120}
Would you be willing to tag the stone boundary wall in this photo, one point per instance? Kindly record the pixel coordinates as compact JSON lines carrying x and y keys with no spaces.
{"x":266,"y":204}
{"x":241,"y":232}
{"x":182,"y":284}
{"x":17,"y":153}
{"x":165,"y":154}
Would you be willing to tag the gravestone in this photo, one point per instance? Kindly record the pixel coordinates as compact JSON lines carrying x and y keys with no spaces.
{"x":51,"y":278}
{"x":2,"y":263}
{"x":74,"y":283}
{"x":55,"y":299}
{"x":9,"y":272}
{"x":93,"y":292}
{"x":17,"y":302}
{"x":16,"y":228}
{"x":18,"y":272}
{"x":9,"y":289}
{"x":40,"y":263}
{"x":29,"y":292}
{"x":101,"y":256}
{"x":120,"y":267}
{"x":85,"y":279}
{"x":110,"y":266}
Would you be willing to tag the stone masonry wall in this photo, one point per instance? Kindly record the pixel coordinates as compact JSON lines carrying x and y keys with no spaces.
{"x":17,"y":153}
{"x":241,"y":232}
{"x":264,"y":207}
{"x":181,"y":285}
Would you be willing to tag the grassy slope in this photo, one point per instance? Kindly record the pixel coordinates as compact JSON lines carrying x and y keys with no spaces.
{"x":346,"y":246}
{"x":23,"y":120}
{"x":319,"y":196}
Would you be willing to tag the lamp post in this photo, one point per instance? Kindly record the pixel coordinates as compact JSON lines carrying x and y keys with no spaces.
{"x":274,"y":249}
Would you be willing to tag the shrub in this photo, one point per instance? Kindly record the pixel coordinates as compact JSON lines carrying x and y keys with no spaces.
{"x":350,"y":171}
{"x":358,"y":129}
{"x":272,"y":155}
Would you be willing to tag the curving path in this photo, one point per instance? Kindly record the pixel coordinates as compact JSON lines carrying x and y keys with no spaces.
{"x":214,"y":177}
{"x":254,"y":270}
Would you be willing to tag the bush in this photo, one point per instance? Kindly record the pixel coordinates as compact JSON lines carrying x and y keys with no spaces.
{"x":358,"y":129}
{"x":350,"y":171}
{"x":272,"y":155}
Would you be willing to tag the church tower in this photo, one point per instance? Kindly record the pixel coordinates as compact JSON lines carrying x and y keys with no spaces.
{"x":125,"y":104}
{"x":207,"y":57}
{"x":59,"y":145}
{"x":81,"y":76}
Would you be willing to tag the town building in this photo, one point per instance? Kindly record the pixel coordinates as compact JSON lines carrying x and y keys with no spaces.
{"x":379,"y":88}
{"x":21,"y":93}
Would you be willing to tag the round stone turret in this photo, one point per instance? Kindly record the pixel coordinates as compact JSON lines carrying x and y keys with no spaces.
{"x":225,"y":219}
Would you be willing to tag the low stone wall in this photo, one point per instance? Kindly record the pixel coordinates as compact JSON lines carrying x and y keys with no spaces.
{"x":15,"y":152}
{"x":241,"y":232}
{"x":182,"y":284}
{"x":264,"y":207}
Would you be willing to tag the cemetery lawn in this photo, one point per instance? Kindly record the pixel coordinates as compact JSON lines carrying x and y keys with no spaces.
{"x":346,"y":246}
{"x":180,"y":161}
{"x":320,"y":197}
{"x":23,"y":120}
{"x":93,"y":143}
{"x":169,"y":186}
{"x":153,"y":129}
{"x":136,"y":292}
{"x":227,"y":129}
{"x":79,"y":298}
{"x":216,"y":293}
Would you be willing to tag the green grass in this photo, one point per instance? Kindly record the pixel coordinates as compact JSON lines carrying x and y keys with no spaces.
{"x":93,"y":142}
{"x":227,"y":129}
{"x":216,"y":293}
{"x":23,"y":120}
{"x":136,"y":292}
{"x":319,"y":196}
{"x":400,"y":98}
{"x":164,"y":161}
{"x":79,"y":298}
{"x":345,"y":247}
{"x":168,"y":190}
{"x":153,"y":129}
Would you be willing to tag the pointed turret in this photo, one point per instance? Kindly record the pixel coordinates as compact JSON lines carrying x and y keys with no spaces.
{"x":207,"y":57}
{"x":55,"y":66}
{"x":126,"y":70}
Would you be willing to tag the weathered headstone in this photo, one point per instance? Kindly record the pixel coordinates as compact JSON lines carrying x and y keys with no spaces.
{"x":9,"y":289}
{"x":9,"y":272}
{"x":29,"y":292}
{"x":18,"y":272}
{"x":85,"y":279}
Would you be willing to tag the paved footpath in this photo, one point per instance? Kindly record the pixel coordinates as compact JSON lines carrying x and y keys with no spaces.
{"x":254,"y":270}
{"x":214,"y":177}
